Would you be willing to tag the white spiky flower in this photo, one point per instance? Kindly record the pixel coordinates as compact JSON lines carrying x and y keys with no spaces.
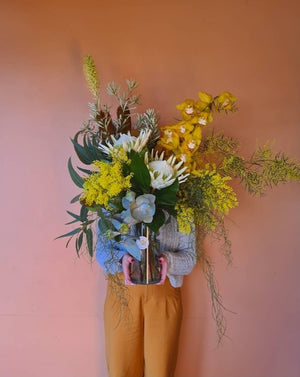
{"x":127,"y":142}
{"x":164,"y":172}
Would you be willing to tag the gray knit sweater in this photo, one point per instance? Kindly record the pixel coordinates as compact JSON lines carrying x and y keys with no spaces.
{"x":180,"y":251}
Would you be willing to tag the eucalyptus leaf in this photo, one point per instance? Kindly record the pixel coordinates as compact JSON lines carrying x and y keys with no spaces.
{"x":69,"y":240}
{"x":79,"y":243}
{"x":83,"y":213}
{"x":89,"y":241}
{"x":86,"y":171}
{"x":72,"y":222}
{"x":89,"y":222}
{"x":90,"y":145}
{"x":80,"y":238}
{"x":75,"y":199}
{"x":74,"y":231}
{"x":83,"y":156}
{"x":77,"y":217}
{"x":74,"y":175}
{"x":89,"y":151}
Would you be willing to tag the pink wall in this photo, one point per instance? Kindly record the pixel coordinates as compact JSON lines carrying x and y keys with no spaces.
{"x":51,"y":302}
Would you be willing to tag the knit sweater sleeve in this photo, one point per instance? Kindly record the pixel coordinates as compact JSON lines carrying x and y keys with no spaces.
{"x":182,"y":260}
{"x":180,"y":251}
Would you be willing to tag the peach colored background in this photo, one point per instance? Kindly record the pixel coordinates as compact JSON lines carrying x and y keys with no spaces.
{"x":51,"y":321}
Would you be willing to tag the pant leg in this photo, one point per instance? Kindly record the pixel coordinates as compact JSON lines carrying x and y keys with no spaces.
{"x":162,"y":316}
{"x":124,"y":331}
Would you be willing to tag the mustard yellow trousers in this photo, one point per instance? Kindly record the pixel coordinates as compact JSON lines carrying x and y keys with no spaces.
{"x":142,"y":337}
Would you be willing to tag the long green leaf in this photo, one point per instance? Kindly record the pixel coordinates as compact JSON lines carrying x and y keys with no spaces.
{"x":72,"y":222}
{"x":79,"y":243}
{"x":74,"y":231}
{"x":89,"y":241}
{"x":89,"y":151}
{"x":92,"y":150}
{"x":75,"y":199}
{"x":89,"y":222}
{"x":69,"y":240}
{"x":83,"y":156}
{"x":86,"y":171}
{"x":83,"y":213}
{"x":74,"y":175}
{"x":77,"y":217}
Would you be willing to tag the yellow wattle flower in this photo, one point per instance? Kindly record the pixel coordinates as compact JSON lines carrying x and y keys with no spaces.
{"x":217,"y":194}
{"x":185,"y":218}
{"x":103,"y":185}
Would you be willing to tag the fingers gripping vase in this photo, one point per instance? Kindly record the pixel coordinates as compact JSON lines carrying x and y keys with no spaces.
{"x":148,"y":269}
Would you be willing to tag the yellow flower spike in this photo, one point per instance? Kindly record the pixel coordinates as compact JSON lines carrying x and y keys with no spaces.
{"x":187,"y":108}
{"x":91,"y":74}
{"x":225,"y":101}
{"x":205,"y":100}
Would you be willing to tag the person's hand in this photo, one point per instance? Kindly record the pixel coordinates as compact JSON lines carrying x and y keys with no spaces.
{"x":126,"y":261}
{"x":164,"y":268}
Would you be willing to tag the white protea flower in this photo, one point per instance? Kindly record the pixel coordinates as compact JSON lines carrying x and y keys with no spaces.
{"x":164,"y":172}
{"x":127,"y":142}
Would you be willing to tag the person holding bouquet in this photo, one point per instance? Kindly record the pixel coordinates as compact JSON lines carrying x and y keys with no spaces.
{"x":145,"y":342}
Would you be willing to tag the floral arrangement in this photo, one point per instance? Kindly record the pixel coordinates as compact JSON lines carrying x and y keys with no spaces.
{"x":141,"y":173}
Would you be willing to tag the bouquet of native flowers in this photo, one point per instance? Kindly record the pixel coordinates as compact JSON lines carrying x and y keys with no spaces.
{"x":140,"y":174}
